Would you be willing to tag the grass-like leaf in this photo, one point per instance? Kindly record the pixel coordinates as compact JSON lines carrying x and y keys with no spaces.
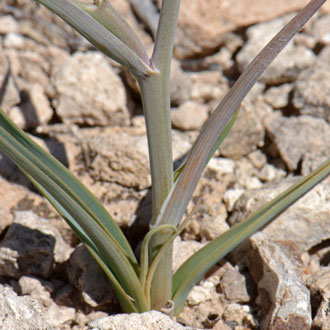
{"x":105,"y":14}
{"x":98,"y":35}
{"x":196,"y":266}
{"x":101,"y":235}
{"x":201,"y":152}
{"x":73,"y":186}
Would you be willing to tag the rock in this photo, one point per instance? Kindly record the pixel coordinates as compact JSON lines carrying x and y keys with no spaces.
{"x":202,"y":24}
{"x":312,"y":91}
{"x":189,"y":116}
{"x":319,"y":285}
{"x":121,"y":202}
{"x":152,"y":320}
{"x":248,"y":131}
{"x":64,"y":142}
{"x":10,"y":195}
{"x":233,"y":285}
{"x":231,"y":196}
{"x":182,"y":143}
{"x":32,"y":67}
{"x":257,"y":158}
{"x":83,"y":319}
{"x":34,"y":110}
{"x":221,"y":165}
{"x":286,"y":67}
{"x":278,"y":97}
{"x":87,"y":277}
{"x":36,"y":250}
{"x":182,"y":250}
{"x":295,"y":137}
{"x":213,"y":227}
{"x":270,"y":173}
{"x":20,"y":312}
{"x":30,"y":247}
{"x":306,"y":222}
{"x":208,"y":218}
{"x":236,"y":314}
{"x":310,"y":162}
{"x":60,"y":317}
{"x":220,"y":325}
{"x":321,"y":29}
{"x":284,"y":299}
{"x":324,"y":55}
{"x":8,"y":24}
{"x":204,"y":306}
{"x":15,"y":40}
{"x":119,"y":156}
{"x":89,"y":92}
{"x":207,"y":86}
{"x":9,"y":94}
{"x":41,"y":291}
{"x":205,"y":290}
{"x":223,"y":59}
{"x":38,"y":289}
{"x":11,"y":172}
{"x":180,"y":84}
{"x":246,"y":175}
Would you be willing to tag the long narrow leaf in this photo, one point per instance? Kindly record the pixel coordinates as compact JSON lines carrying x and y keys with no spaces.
{"x":196,"y":266}
{"x":182,"y":191}
{"x":105,"y":14}
{"x":73,"y":186}
{"x":98,"y":35}
{"x":144,"y":269}
{"x":125,"y":300}
{"x":107,"y":248}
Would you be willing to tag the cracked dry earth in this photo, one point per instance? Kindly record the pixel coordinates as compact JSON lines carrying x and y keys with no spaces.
{"x":85,"y":110}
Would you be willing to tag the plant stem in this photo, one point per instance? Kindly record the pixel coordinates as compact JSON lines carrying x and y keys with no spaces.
{"x":155,"y":90}
{"x":155,"y":100}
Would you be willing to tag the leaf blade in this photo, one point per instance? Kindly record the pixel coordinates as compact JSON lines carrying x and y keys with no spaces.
{"x":98,"y":35}
{"x":105,"y":14}
{"x":182,"y":191}
{"x":88,"y":229}
{"x":88,"y":201}
{"x":196,"y":266}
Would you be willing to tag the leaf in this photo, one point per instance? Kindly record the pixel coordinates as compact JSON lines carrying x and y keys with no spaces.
{"x":144,"y":269}
{"x":183,"y":189}
{"x":64,"y":191}
{"x":98,"y":35}
{"x":74,"y":187}
{"x":194,"y":269}
{"x":104,"y":13}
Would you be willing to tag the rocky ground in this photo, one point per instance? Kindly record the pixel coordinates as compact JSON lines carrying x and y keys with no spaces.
{"x":85,"y":110}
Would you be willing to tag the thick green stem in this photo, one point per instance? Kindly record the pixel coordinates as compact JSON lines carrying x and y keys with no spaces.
{"x":156,"y":105}
{"x":156,"y":102}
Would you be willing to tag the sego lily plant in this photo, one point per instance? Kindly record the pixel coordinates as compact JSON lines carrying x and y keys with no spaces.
{"x":150,"y":284}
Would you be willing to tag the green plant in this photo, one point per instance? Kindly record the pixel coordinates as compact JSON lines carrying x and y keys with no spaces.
{"x":150,"y":284}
